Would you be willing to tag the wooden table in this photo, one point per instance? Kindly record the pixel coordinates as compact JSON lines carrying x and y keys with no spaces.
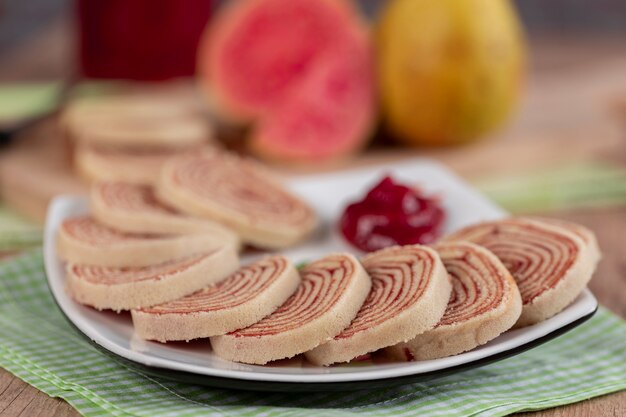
{"x":575,"y":109}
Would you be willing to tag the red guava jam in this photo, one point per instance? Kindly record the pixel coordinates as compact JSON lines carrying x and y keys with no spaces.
{"x":392,"y":214}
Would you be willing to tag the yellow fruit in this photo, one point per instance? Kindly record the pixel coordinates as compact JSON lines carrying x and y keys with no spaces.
{"x":449,"y":71}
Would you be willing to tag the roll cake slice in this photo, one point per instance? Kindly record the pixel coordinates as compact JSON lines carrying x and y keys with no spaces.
{"x":410,"y":292}
{"x":485,"y":302}
{"x":550,"y":264}
{"x":239,"y":194}
{"x":124,"y":288}
{"x":134,"y":122}
{"x":327,"y":300}
{"x":242,"y":299}
{"x":134,"y":166}
{"x":134,"y":208}
{"x":82,"y":240}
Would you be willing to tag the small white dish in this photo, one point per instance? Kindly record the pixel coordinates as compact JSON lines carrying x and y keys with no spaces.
{"x":328,"y":194}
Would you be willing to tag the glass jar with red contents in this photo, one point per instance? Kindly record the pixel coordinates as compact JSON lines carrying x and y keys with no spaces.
{"x":146,"y":40}
{"x":392,"y":214}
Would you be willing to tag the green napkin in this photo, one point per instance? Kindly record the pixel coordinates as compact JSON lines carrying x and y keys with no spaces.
{"x":22,"y":101}
{"x":584,"y":184}
{"x":40,"y":347}
{"x":16,"y":232}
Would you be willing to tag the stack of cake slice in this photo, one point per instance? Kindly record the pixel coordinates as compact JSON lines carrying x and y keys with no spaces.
{"x":134,"y":250}
{"x":129,"y":138}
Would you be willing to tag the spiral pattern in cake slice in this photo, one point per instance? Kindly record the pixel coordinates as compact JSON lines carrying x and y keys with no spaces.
{"x":410,"y":292}
{"x":328,"y":298}
{"x":245,"y":297}
{"x":550,"y":264}
{"x":134,"y":208}
{"x":485,"y":302}
{"x":124,"y":288}
{"x":588,"y":237}
{"x":82,"y":240}
{"x":239,"y":194}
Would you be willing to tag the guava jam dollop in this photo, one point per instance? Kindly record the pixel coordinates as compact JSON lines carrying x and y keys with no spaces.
{"x":392,"y":214}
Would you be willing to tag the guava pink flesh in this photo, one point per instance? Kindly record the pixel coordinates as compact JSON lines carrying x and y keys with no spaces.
{"x":270,"y":45}
{"x":328,"y":115}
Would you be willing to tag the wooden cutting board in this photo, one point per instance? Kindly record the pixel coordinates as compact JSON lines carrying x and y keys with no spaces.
{"x":574,"y":109}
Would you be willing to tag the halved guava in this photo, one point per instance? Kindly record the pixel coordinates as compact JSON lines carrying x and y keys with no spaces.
{"x":329,"y":115}
{"x":299,"y":70}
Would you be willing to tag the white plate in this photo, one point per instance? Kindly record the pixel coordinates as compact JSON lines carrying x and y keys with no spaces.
{"x":328,"y":194}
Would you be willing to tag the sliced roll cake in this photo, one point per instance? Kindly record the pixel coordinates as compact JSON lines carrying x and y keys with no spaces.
{"x":329,"y":297}
{"x":124,"y":288}
{"x":242,"y":299}
{"x":550,"y":264}
{"x":239,"y":194}
{"x":82,"y":240}
{"x":135,"y":166}
{"x":410,"y":292}
{"x":485,"y":302}
{"x":134,"y":208}
{"x":134,"y":122}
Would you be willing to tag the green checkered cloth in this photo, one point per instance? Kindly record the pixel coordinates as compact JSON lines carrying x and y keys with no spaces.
{"x":40,"y":347}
